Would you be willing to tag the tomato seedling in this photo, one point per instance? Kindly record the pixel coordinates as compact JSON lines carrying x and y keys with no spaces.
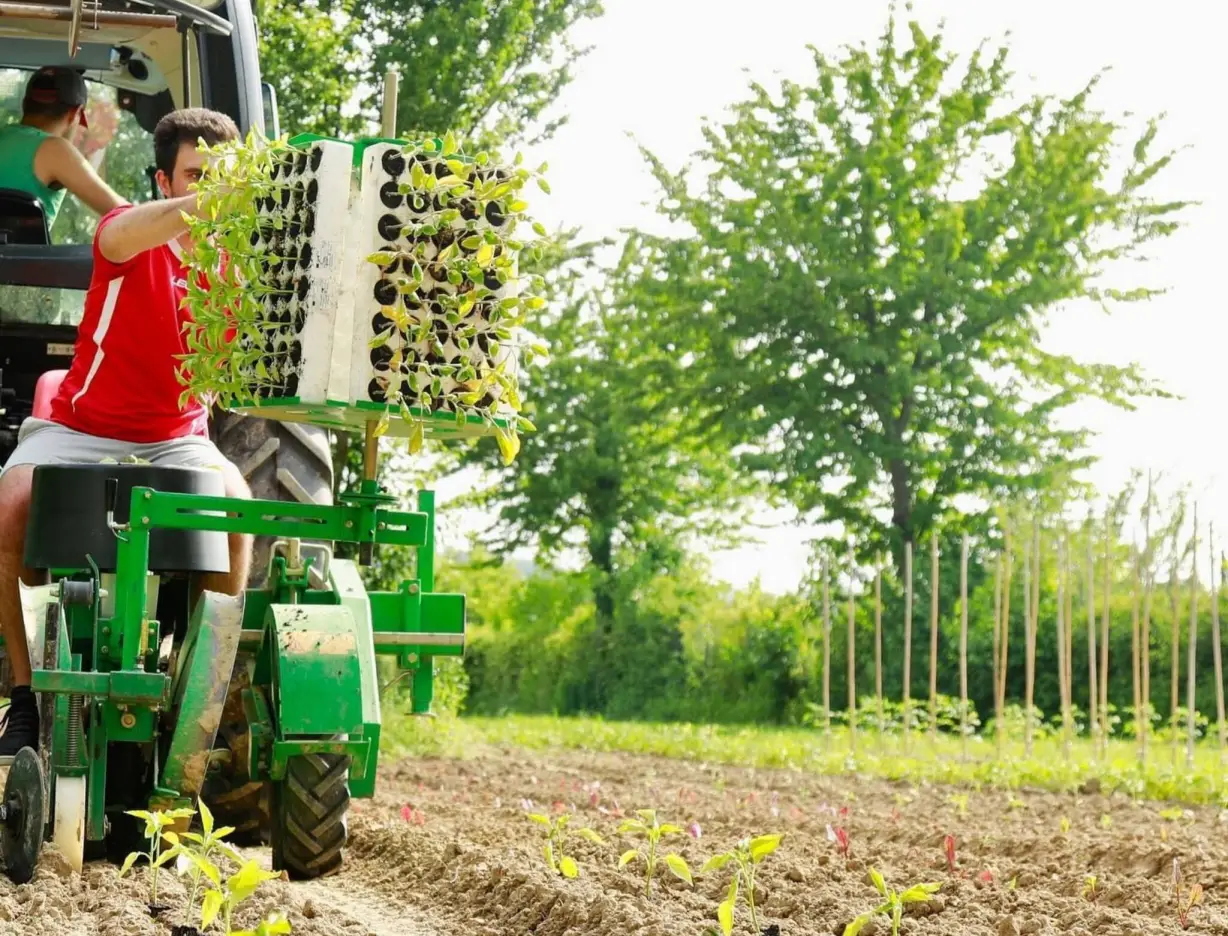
{"x":840,"y":837}
{"x":747,"y":854}
{"x":1091,"y":888}
{"x":556,"y":836}
{"x":652,"y":832}
{"x":1186,"y":903}
{"x":226,"y":895}
{"x":157,"y":831}
{"x":893,"y":903}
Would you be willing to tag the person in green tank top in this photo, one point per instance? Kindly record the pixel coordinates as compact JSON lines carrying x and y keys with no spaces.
{"x":35,"y":154}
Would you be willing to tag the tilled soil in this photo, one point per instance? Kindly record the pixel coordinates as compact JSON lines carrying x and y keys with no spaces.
{"x":446,"y":848}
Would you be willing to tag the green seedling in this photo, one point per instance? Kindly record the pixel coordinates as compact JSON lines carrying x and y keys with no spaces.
{"x":893,"y":903}
{"x":960,"y":802}
{"x":1106,"y":821}
{"x":202,"y":845}
{"x":652,"y":832}
{"x":1013,"y":803}
{"x":226,"y":895}
{"x":1064,"y":825}
{"x":747,"y":855}
{"x":1187,"y":902}
{"x":1173,"y":814}
{"x":157,"y":831}
{"x":1091,"y":888}
{"x":553,"y":849}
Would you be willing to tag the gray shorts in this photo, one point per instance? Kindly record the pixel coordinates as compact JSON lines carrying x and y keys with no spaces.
{"x":40,"y":442}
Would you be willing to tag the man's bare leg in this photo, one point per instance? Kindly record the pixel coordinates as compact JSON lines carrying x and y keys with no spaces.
{"x":235,"y":581}
{"x":21,"y":720}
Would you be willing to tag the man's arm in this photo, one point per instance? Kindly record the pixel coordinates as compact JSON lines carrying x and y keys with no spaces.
{"x":58,"y":161}
{"x":144,"y":227}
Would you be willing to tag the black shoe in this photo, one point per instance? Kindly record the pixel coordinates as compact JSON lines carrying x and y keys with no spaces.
{"x":20,"y":722}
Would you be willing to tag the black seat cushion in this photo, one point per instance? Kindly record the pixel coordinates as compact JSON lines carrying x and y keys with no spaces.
{"x":68,"y":518}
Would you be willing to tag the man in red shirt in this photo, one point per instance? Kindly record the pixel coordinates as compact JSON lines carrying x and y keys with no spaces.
{"x":120,"y":396}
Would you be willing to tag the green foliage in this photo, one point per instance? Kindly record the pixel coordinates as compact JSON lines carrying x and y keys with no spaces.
{"x":310,"y":54}
{"x":158,"y":832}
{"x":652,"y":832}
{"x":197,"y":849}
{"x":870,"y":257}
{"x":554,"y":848}
{"x":226,"y":895}
{"x":893,"y":903}
{"x":746,"y":855}
{"x":505,"y":63}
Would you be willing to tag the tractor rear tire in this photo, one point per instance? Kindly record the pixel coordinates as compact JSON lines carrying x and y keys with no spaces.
{"x":280,"y":461}
{"x":310,"y":826}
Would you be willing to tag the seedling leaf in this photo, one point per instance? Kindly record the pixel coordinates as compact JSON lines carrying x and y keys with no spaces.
{"x":627,"y":857}
{"x":763,"y":846}
{"x":678,"y":865}
{"x":568,"y":868}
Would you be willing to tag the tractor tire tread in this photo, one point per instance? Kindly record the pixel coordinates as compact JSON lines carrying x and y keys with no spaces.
{"x":314,"y":800}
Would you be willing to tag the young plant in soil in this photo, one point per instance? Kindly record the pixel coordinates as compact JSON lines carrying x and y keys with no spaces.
{"x":747,"y":855}
{"x":157,"y":831}
{"x":197,"y":849}
{"x":893,"y":903}
{"x":652,"y":832}
{"x":840,"y":836}
{"x":1186,"y":902}
{"x":1091,"y":888}
{"x":556,"y":835}
{"x":226,"y":895}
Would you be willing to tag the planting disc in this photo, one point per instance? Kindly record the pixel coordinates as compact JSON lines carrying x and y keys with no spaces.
{"x":21,"y":832}
{"x":68,"y":830}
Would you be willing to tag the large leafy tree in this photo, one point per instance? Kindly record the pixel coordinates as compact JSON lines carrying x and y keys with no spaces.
{"x":622,"y":467}
{"x":870,"y":259}
{"x":488,"y":68}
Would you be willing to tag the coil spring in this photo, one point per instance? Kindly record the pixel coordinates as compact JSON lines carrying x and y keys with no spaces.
{"x":73,"y":744}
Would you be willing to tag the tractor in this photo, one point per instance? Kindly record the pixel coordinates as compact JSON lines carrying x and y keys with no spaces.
{"x":154,"y":692}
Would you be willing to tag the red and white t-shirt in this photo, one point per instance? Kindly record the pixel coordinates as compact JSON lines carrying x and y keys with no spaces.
{"x":122,"y":384}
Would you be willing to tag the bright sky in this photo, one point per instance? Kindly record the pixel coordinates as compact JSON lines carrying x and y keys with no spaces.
{"x":658,"y":67}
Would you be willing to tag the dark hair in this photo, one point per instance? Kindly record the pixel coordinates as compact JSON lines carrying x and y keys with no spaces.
{"x":189,"y":126}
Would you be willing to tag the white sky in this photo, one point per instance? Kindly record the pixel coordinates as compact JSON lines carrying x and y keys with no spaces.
{"x":659,"y":66}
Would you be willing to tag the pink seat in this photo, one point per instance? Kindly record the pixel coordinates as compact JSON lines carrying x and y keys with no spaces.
{"x":44,"y":392}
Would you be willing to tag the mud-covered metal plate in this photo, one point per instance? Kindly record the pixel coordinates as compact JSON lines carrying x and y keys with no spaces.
{"x":21,"y":832}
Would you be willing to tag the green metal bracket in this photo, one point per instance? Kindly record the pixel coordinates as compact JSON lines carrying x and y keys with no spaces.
{"x":208,"y":655}
{"x":260,"y":730}
{"x":316,"y":672}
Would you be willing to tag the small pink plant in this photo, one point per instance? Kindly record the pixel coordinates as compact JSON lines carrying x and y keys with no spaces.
{"x":694,"y":831}
{"x":413,"y":816}
{"x":948,"y":849}
{"x":840,"y":836}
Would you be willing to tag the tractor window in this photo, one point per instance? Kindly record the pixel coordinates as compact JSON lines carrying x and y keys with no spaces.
{"x":120,"y":150}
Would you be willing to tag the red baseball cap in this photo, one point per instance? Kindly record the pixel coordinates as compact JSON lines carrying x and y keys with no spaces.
{"x":53,"y":84}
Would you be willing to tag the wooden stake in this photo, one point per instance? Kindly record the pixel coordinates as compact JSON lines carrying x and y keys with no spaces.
{"x":1144,"y":728}
{"x":1191,"y":649}
{"x":1029,"y":659}
{"x":1069,"y":620}
{"x":1216,"y":650}
{"x":1093,"y":685}
{"x":1061,"y":646}
{"x":852,"y":654}
{"x":1136,"y":653}
{"x":1003,"y":662}
{"x":1105,"y":616}
{"x":963,"y":646}
{"x":997,"y":639}
{"x":1174,"y":651}
{"x":878,"y":647}
{"x":826,"y":651}
{"x":907,"y":642}
{"x":933,"y":726}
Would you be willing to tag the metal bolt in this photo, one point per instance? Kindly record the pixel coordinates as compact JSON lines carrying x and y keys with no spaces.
{"x":349,"y":524}
{"x":106,"y":630}
{"x":381,"y":526}
{"x":148,"y":495}
{"x":413,"y":588}
{"x":413,"y":658}
{"x":128,"y":720}
{"x":144,"y":521}
{"x":104,"y":650}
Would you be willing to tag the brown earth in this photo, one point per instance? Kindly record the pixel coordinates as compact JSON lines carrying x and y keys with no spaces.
{"x":446,"y":848}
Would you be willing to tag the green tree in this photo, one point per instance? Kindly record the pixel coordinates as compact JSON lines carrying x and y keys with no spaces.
{"x":871,"y":259}
{"x":619,"y":467}
{"x":309,"y":53}
{"x":475,"y":66}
